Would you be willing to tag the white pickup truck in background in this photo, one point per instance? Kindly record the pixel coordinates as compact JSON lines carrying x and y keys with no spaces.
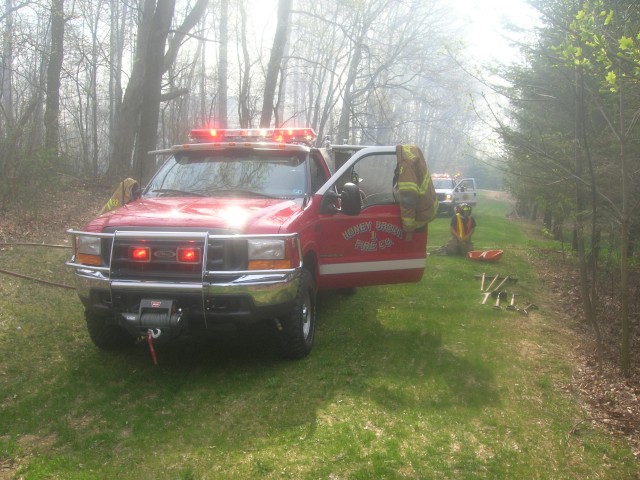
{"x":452,"y":190}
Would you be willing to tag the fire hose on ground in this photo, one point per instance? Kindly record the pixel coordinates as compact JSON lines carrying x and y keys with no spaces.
{"x":151,"y":334}
{"x":28,"y":277}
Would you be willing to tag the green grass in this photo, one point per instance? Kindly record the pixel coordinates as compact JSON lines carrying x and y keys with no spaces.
{"x":405,"y":381}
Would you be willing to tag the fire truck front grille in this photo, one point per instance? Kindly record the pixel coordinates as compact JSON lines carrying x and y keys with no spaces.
{"x":226,"y":255}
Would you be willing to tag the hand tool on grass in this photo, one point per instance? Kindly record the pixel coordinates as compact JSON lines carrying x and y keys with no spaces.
{"x":497,"y":289}
{"x":499,"y":297}
{"x":478,"y":276}
{"x":485,"y":296}
{"x":482,"y":282}
{"x":493,"y":281}
{"x":512,"y":306}
{"x":531,"y":306}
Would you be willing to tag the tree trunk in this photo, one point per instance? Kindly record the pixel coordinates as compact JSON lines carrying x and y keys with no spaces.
{"x":278,"y":107}
{"x":128,"y":119}
{"x":547,"y":218}
{"x":277,"y":51}
{"x":95,"y":52}
{"x":6,"y":73}
{"x":136,"y":130}
{"x":344,"y":125}
{"x":150,"y":101}
{"x":223,"y":66}
{"x":54,"y":67}
{"x":625,"y":362}
{"x":581,"y":208}
{"x":117,"y":21}
{"x":244,"y":101}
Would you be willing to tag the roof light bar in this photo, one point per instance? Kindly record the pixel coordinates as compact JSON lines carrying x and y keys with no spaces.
{"x":277,"y":135}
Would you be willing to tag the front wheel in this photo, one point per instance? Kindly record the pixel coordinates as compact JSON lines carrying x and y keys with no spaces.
{"x":298,"y":326}
{"x":107,"y":336}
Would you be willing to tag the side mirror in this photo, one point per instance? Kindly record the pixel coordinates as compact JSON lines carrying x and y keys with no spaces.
{"x":350,"y":201}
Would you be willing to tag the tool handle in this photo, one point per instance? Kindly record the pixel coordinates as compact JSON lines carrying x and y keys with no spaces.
{"x":493,"y":281}
{"x":503,"y":282}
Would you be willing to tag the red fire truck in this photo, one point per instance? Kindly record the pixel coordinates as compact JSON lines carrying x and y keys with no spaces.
{"x":239,"y":227}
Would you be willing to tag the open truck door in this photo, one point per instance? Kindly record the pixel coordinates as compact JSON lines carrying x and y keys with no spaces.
{"x":366,"y":244}
{"x":465,"y":191}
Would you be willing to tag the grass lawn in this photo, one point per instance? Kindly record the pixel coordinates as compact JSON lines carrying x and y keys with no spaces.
{"x":405,"y":381}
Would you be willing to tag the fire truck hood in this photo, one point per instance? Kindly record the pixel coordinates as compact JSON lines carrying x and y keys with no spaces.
{"x":235,"y":215}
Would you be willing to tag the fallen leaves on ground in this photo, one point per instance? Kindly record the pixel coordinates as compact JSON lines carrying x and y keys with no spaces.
{"x":609,"y":399}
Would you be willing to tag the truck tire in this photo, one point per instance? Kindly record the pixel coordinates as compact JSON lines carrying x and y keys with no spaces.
{"x":107,"y":336}
{"x":298,"y":327}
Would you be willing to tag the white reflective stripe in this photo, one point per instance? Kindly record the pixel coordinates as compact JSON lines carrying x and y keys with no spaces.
{"x":363,"y":267}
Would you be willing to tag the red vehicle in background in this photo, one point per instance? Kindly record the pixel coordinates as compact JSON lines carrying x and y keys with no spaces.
{"x":240,"y":227}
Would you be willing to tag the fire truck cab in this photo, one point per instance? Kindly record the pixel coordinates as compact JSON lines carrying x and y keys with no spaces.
{"x":239,"y":227}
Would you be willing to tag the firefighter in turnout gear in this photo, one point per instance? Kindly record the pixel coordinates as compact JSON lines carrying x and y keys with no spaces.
{"x":462,"y":227}
{"x":127,"y":190}
{"x":414,"y":189}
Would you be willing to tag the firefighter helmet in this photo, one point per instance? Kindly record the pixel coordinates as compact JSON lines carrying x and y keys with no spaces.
{"x":465,"y":209}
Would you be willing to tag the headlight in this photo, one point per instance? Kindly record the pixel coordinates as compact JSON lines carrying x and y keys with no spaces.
{"x":88,"y":250}
{"x":270,"y":254}
{"x":266,"y":249}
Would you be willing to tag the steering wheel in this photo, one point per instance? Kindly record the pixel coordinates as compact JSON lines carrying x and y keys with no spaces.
{"x":380,"y":197}
{"x":363,"y":197}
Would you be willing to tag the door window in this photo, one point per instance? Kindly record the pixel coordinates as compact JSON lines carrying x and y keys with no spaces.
{"x":374,"y":175}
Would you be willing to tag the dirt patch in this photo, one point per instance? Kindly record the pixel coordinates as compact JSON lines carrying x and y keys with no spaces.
{"x":30,"y":445}
{"x":529,"y":349}
{"x":45,"y":221}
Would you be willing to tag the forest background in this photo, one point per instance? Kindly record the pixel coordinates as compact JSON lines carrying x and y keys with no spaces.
{"x":88,"y":88}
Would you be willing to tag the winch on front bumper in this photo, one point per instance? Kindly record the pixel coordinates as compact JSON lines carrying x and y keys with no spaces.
{"x":178,"y":281}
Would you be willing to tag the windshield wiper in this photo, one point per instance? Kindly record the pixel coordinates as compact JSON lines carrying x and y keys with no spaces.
{"x":174,"y":191}
{"x":241,"y":192}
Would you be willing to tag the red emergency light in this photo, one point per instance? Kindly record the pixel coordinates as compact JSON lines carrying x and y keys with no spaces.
{"x":140,"y":254}
{"x":277,"y":135}
{"x":188,"y":255}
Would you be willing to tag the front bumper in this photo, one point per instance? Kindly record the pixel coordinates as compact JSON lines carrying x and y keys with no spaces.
{"x":218,"y":297}
{"x":445,"y":204}
{"x":247,"y":299}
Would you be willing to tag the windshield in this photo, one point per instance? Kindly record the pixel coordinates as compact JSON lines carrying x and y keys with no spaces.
{"x":442,"y":183}
{"x":266,"y":173}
